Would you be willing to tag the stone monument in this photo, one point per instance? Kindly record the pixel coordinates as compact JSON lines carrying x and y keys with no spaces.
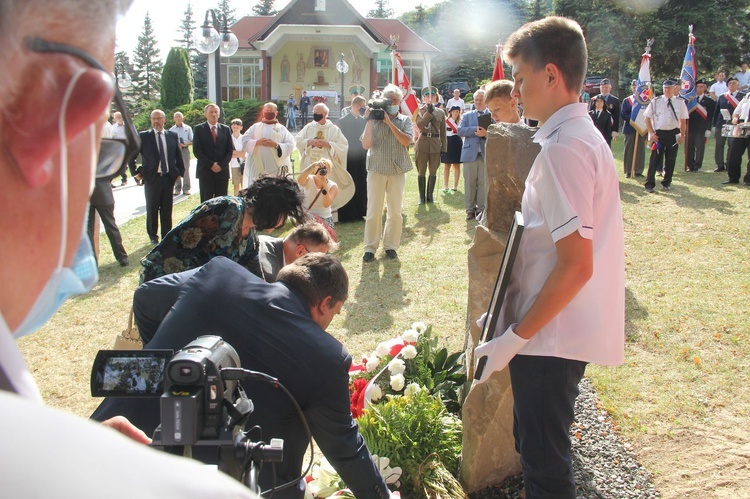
{"x":489,"y":454}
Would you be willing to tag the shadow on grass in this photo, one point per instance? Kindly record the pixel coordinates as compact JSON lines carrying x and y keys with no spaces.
{"x":380,"y":292}
{"x":634,"y":313}
{"x":684,"y":193}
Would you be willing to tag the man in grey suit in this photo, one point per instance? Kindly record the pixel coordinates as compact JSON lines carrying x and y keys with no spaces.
{"x":275,"y":252}
{"x":472,"y":156}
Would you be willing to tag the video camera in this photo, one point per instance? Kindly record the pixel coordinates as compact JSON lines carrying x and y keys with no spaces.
{"x":201,"y":400}
{"x":377,"y":107}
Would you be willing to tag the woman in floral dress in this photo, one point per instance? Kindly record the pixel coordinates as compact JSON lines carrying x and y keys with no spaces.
{"x":227,"y":226}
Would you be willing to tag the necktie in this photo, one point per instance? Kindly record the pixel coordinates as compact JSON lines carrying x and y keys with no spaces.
{"x":597,"y":114}
{"x":162,"y":156}
{"x":213,"y":133}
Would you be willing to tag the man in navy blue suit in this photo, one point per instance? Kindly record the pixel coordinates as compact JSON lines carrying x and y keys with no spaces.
{"x":291,"y":344}
{"x":161,"y":164}
{"x":213,"y":148}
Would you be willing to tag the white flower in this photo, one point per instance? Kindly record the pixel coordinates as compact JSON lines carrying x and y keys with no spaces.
{"x":375,"y":393}
{"x":397,"y":382}
{"x":372,"y":363}
{"x":390,"y":475}
{"x":397,"y":366}
{"x":383,"y":349}
{"x":412,"y":389}
{"x":419,"y":327}
{"x":410,"y":336}
{"x":409,"y":352}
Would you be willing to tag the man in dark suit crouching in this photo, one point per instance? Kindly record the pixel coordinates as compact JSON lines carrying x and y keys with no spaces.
{"x":161,"y":165}
{"x":278,"y":329}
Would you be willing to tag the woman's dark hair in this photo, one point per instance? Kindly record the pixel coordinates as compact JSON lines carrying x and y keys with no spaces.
{"x":274,"y":200}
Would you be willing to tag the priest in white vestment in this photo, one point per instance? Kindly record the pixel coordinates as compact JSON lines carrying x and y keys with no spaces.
{"x":268,"y":145}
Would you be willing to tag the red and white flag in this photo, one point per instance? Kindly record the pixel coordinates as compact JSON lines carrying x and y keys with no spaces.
{"x":499,"y":72}
{"x":409,"y":103}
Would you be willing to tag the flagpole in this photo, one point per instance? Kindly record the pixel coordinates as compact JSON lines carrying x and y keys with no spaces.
{"x":635,"y":154}
{"x":691,"y":41}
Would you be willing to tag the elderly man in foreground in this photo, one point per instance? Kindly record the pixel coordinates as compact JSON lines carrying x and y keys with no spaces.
{"x":62,"y":55}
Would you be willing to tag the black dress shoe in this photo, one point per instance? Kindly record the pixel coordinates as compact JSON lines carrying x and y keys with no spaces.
{"x":368,"y":257}
{"x":639,"y":175}
{"x":123,"y":261}
{"x":391,"y":254}
{"x":720,"y":169}
{"x":746,"y":184}
{"x":730,"y":182}
{"x":155,"y":241}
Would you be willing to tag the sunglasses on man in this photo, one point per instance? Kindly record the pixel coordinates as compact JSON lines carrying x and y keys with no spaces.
{"x":114,"y":154}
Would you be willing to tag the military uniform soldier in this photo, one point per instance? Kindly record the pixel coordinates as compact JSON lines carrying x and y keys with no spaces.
{"x":431,"y":142}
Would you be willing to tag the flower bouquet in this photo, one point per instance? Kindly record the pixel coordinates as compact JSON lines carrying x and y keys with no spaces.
{"x":317,"y":99}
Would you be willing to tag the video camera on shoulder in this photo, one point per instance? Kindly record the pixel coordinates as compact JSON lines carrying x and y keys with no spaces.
{"x":201,"y":400}
{"x":377,"y":107}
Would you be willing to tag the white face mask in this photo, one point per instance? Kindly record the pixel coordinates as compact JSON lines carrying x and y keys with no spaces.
{"x":81,"y":276}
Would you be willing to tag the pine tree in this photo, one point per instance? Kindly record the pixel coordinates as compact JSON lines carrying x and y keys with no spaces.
{"x":176,"y":79}
{"x":187,"y":25}
{"x":146,"y":82}
{"x":265,"y":8}
{"x":381,"y":10}
{"x":199,"y":63}
{"x":226,"y":11}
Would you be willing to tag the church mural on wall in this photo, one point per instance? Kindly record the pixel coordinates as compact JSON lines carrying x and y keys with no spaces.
{"x":298,"y":49}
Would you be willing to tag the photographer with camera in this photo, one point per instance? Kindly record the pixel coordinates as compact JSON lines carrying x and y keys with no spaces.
{"x":62,"y":55}
{"x":321,"y":191}
{"x":290,"y":344}
{"x":387,"y":138}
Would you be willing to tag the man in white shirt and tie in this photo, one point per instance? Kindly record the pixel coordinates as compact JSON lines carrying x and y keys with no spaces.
{"x":666,"y":120}
{"x":161,"y":165}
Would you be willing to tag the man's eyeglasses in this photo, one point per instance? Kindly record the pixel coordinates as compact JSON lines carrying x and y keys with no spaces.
{"x":114,"y":154}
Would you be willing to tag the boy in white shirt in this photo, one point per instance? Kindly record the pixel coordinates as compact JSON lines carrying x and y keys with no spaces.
{"x":566,"y":299}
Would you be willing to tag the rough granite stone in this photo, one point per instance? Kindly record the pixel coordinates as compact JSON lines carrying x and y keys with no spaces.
{"x":488,"y":454}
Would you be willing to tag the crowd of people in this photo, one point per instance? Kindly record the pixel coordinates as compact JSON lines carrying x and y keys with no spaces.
{"x":219,"y":269}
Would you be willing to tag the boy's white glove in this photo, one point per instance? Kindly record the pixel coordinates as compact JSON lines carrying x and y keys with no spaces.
{"x":498,"y":351}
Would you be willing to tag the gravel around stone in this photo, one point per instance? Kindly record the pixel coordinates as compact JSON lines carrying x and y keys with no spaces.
{"x":605,"y":467}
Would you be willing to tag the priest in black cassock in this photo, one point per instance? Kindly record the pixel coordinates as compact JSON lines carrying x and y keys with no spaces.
{"x":353,"y":125}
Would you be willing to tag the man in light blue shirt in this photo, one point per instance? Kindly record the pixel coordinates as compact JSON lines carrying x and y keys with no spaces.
{"x":185,"y":134}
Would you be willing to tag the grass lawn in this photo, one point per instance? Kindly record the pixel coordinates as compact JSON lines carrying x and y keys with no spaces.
{"x":681,"y":395}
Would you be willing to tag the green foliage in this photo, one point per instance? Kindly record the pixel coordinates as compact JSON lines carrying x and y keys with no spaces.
{"x":147,"y":63}
{"x":409,"y":430}
{"x":176,"y":79}
{"x":199,"y":64}
{"x":616,"y":34}
{"x":227,"y":12}
{"x":187,"y":25}
{"x":265,"y":8}
{"x":247,"y":110}
{"x":467,"y":54}
{"x":381,"y":10}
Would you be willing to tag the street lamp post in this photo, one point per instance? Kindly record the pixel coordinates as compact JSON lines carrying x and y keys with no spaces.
{"x":122,"y":78}
{"x":208,"y":40}
{"x":342,"y":68}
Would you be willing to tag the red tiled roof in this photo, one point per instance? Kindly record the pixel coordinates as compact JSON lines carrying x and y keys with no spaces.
{"x":250,"y":28}
{"x":408,"y":40}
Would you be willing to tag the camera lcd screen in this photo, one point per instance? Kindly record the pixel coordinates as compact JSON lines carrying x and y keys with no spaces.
{"x":129,"y":373}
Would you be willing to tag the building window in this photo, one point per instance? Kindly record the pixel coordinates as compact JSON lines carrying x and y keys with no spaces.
{"x":240,"y":78}
{"x":413,"y":70}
